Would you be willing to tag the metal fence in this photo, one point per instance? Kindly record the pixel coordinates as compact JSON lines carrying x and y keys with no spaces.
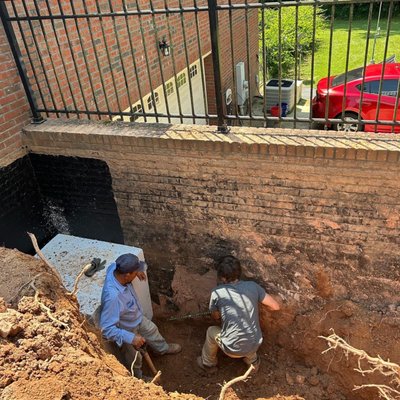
{"x":300,"y":64}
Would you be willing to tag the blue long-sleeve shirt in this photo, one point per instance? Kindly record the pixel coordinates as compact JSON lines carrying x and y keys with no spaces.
{"x":121,"y":311}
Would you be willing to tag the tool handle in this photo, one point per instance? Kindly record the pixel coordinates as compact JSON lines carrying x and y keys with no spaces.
{"x":150,"y":363}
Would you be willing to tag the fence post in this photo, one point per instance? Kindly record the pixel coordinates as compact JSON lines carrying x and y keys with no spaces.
{"x":36,"y":117}
{"x":213,"y":17}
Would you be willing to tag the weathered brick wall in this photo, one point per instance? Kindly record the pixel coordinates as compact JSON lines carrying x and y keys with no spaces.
{"x":69,"y":68}
{"x":14,"y":108}
{"x":238,"y":38}
{"x":188,"y":195}
{"x":69,"y":57}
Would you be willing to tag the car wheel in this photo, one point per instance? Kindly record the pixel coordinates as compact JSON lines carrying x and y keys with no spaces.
{"x":350,"y":123}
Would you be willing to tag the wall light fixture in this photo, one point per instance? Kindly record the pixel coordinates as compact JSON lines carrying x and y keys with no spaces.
{"x":164,"y":47}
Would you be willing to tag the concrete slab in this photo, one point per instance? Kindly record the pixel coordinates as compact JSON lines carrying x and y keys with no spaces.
{"x":69,"y":254}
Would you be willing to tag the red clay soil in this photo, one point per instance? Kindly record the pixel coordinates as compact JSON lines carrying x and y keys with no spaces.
{"x":41,"y":358}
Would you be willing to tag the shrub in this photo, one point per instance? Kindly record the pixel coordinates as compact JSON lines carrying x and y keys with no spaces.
{"x":288,"y":36}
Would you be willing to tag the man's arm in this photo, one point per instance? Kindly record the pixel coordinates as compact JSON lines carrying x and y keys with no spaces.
{"x":271,"y":303}
{"x":109,"y":319}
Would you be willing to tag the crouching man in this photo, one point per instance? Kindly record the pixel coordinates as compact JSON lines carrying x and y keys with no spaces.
{"x":121,"y":316}
{"x":235,"y":303}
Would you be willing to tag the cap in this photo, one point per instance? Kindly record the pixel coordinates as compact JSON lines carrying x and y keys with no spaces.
{"x":127,"y":263}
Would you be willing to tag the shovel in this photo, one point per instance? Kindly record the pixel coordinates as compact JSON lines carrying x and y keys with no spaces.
{"x":143,"y":351}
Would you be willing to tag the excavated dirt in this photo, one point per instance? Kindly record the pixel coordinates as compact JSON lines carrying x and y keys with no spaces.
{"x":41,"y":358}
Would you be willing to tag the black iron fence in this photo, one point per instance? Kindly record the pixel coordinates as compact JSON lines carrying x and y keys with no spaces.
{"x":299,"y":64}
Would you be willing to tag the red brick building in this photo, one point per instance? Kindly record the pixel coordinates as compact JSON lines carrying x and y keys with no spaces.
{"x":105,"y":61}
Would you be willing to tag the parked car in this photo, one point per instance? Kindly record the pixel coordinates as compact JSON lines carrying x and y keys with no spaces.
{"x":344,"y":100}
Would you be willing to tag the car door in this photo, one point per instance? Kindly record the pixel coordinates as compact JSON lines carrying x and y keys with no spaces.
{"x":380,"y":107}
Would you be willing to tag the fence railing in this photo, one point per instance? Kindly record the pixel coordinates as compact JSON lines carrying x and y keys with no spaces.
{"x":300,"y":64}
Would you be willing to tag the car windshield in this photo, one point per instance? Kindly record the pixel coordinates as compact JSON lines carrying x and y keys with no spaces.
{"x":351,"y":76}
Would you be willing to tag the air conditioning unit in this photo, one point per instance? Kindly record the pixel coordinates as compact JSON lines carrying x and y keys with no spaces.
{"x":242,"y":86}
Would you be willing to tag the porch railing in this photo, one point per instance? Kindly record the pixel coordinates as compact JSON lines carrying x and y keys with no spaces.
{"x":203,"y":61}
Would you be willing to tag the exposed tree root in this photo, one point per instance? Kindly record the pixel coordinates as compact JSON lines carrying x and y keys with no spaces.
{"x":156,"y":378}
{"x":46,"y":309}
{"x":235,"y":380}
{"x":27,"y":284}
{"x":384,"y":391}
{"x":377,"y":364}
{"x":78,"y":278}
{"x":43,"y":258}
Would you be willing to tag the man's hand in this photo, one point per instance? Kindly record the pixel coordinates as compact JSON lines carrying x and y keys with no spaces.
{"x":216,"y":315}
{"x":138,"y":341}
{"x":141,"y":275}
{"x":271,"y":303}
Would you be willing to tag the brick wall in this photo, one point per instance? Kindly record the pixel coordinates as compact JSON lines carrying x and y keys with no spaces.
{"x":14,"y":108}
{"x":188,"y":196}
{"x":69,"y":68}
{"x":57,"y":50}
{"x":242,"y":26}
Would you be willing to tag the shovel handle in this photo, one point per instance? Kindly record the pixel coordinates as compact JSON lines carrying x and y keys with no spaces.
{"x":150,"y":363}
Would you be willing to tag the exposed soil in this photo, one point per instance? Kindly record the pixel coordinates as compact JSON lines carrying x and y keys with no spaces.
{"x":43,"y":359}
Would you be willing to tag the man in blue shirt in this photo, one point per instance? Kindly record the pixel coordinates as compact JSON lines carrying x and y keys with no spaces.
{"x":121,"y":316}
{"x":235,"y":304}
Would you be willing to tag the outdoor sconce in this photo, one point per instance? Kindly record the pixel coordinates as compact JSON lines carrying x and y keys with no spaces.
{"x":164,"y":47}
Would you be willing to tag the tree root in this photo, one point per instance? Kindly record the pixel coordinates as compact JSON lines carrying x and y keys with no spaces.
{"x":235,"y":380}
{"x":75,"y":289}
{"x":46,"y":309}
{"x":377,"y":364}
{"x":156,"y":378}
{"x":27,"y":284}
{"x":43,"y":258}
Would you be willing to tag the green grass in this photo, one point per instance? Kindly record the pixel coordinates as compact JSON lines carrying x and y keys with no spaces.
{"x":357,"y":47}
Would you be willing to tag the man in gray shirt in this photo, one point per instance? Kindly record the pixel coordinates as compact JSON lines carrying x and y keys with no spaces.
{"x":235,"y":303}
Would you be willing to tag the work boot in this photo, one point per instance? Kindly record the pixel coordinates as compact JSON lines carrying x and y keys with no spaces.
{"x":173,"y":348}
{"x":205,"y":368}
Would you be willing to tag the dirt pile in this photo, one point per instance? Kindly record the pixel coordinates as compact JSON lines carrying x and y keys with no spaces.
{"x":54,"y":354}
{"x":41,"y":358}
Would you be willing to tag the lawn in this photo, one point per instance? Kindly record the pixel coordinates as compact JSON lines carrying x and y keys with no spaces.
{"x":357,"y":47}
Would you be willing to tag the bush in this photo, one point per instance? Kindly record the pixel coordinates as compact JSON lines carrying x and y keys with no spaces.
{"x":288,"y":36}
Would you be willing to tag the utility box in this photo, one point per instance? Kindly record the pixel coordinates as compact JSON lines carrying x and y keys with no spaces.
{"x":69,"y":254}
{"x":242,"y":86}
{"x":287,"y":93}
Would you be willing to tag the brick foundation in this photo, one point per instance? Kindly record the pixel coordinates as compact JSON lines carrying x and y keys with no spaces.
{"x":189,"y":195}
{"x":14,"y":108}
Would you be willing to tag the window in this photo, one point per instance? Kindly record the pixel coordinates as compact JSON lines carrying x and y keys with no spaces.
{"x":150,"y":100}
{"x":136,"y":109}
{"x":181,"y":79}
{"x":389,"y":87}
{"x":169,"y":88}
{"x":351,"y":76}
{"x":193,"y":71}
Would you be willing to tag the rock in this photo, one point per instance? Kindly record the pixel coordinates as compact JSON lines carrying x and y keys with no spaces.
{"x":300,"y":379}
{"x":348,"y":308}
{"x":9,"y":323}
{"x":314,"y":380}
{"x":270,"y":260}
{"x":3,"y":305}
{"x":314,"y":371}
{"x":392,"y":307}
{"x":289,"y":379}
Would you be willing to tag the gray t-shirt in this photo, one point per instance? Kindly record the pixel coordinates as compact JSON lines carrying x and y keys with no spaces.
{"x":238,"y":305}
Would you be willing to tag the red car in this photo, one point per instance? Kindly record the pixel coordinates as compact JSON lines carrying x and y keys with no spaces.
{"x":345,"y":99}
